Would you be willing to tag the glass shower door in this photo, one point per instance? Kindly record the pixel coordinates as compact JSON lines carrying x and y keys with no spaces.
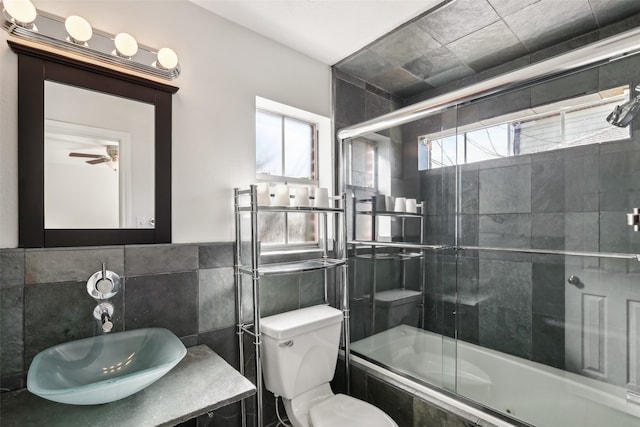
{"x":403,"y":296}
{"x":546,"y":268}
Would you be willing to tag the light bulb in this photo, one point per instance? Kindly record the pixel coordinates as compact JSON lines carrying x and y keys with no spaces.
{"x":167,"y":59}
{"x":78,"y":28}
{"x":23,"y":12}
{"x":126,"y":45}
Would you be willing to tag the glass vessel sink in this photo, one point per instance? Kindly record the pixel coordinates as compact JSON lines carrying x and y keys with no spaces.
{"x":104,"y":368}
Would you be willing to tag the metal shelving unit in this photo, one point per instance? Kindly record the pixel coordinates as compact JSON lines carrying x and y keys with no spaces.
{"x":404,"y":253}
{"x":257,"y":270}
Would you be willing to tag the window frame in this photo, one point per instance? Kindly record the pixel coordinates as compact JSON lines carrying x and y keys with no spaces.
{"x":514,"y":121}
{"x":375,"y":172}
{"x":271,"y":178}
{"x":322,"y":169}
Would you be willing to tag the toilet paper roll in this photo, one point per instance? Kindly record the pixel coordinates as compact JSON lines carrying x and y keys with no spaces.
{"x":412,"y":206}
{"x":388,"y":201}
{"x":264,"y":197}
{"x":282,"y":195}
{"x":301,"y":196}
{"x":321,"y":198}
{"x":401,"y":204}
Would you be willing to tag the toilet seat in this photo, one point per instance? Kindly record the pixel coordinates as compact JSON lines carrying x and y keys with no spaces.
{"x":346,"y":411}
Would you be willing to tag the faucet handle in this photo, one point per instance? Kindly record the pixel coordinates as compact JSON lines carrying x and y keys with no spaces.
{"x":103,"y":284}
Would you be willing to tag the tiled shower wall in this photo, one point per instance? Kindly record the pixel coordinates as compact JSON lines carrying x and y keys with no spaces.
{"x":188,"y":289}
{"x":572,"y":199}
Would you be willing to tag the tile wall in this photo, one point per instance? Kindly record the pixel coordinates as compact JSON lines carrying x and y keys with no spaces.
{"x":188,"y":289}
{"x":572,"y":199}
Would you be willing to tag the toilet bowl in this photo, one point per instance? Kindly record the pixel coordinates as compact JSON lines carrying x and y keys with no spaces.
{"x":343,"y":410}
{"x":300,"y":352}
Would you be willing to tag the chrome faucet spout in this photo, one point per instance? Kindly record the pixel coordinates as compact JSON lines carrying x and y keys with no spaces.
{"x":107,"y":324}
{"x":104,"y":314}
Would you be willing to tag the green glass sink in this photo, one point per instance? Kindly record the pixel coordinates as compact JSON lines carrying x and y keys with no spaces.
{"x":104,"y":368}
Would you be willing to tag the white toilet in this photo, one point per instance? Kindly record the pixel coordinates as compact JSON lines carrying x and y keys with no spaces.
{"x":300,"y":351}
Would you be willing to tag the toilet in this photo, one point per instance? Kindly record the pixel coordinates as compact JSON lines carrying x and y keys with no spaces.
{"x":299,"y":356}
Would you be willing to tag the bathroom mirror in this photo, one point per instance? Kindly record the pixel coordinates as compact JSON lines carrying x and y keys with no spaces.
{"x":92,"y":140}
{"x":113,"y":132}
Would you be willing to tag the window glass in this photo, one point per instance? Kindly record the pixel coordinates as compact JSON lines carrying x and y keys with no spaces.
{"x":488,"y":143}
{"x":298,"y":148}
{"x":301,"y":228}
{"x":363,"y":166}
{"x":286,"y":153}
{"x":540,"y":134}
{"x":440,"y":152}
{"x":272,"y":227}
{"x":268,"y":143}
{"x":571,"y":122}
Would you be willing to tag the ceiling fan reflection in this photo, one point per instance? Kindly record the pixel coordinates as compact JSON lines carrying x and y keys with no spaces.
{"x":111,"y":158}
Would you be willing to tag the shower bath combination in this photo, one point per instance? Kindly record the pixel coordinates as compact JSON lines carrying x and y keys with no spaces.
{"x":530,"y":304}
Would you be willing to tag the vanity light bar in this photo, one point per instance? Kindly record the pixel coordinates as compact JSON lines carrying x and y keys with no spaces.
{"x":79,"y":30}
{"x":75,"y":36}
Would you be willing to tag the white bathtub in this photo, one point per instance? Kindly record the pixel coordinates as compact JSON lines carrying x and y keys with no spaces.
{"x":529,"y":391}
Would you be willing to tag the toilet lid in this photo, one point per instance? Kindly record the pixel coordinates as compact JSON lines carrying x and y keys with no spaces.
{"x":346,"y":411}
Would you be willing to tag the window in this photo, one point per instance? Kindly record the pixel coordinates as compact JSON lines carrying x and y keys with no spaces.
{"x":287,"y":151}
{"x":437,"y":152}
{"x":569,"y":123}
{"x":285,"y":148}
{"x":372,"y":161}
{"x":363,"y":158}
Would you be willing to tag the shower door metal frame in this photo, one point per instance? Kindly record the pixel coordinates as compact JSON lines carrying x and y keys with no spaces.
{"x":595,"y":54}
{"x":616,"y":255}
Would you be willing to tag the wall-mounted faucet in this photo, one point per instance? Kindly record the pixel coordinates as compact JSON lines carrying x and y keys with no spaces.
{"x":104,"y":312}
{"x":103,"y":285}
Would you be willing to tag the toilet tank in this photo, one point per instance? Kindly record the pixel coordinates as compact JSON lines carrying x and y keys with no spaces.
{"x":300,"y":349}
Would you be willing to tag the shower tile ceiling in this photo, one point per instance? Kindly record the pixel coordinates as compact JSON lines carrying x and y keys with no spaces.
{"x":465,"y":37}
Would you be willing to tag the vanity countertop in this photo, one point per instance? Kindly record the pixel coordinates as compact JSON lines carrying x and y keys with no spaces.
{"x":200,"y":383}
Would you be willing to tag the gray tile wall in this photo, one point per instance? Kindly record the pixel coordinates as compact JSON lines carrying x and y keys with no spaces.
{"x":45,"y":299}
{"x":188,"y":289}
{"x":570,"y":199}
{"x":357,"y":101}
{"x":549,"y":200}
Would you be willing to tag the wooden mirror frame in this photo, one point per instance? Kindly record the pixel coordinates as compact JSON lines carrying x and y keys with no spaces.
{"x":34,"y":67}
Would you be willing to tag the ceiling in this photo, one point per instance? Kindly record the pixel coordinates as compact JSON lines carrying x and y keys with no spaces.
{"x":326,"y":30}
{"x":466,"y":37}
{"x":408,"y":47}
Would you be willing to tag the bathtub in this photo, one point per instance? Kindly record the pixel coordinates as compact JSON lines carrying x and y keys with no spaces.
{"x":531,"y":392}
